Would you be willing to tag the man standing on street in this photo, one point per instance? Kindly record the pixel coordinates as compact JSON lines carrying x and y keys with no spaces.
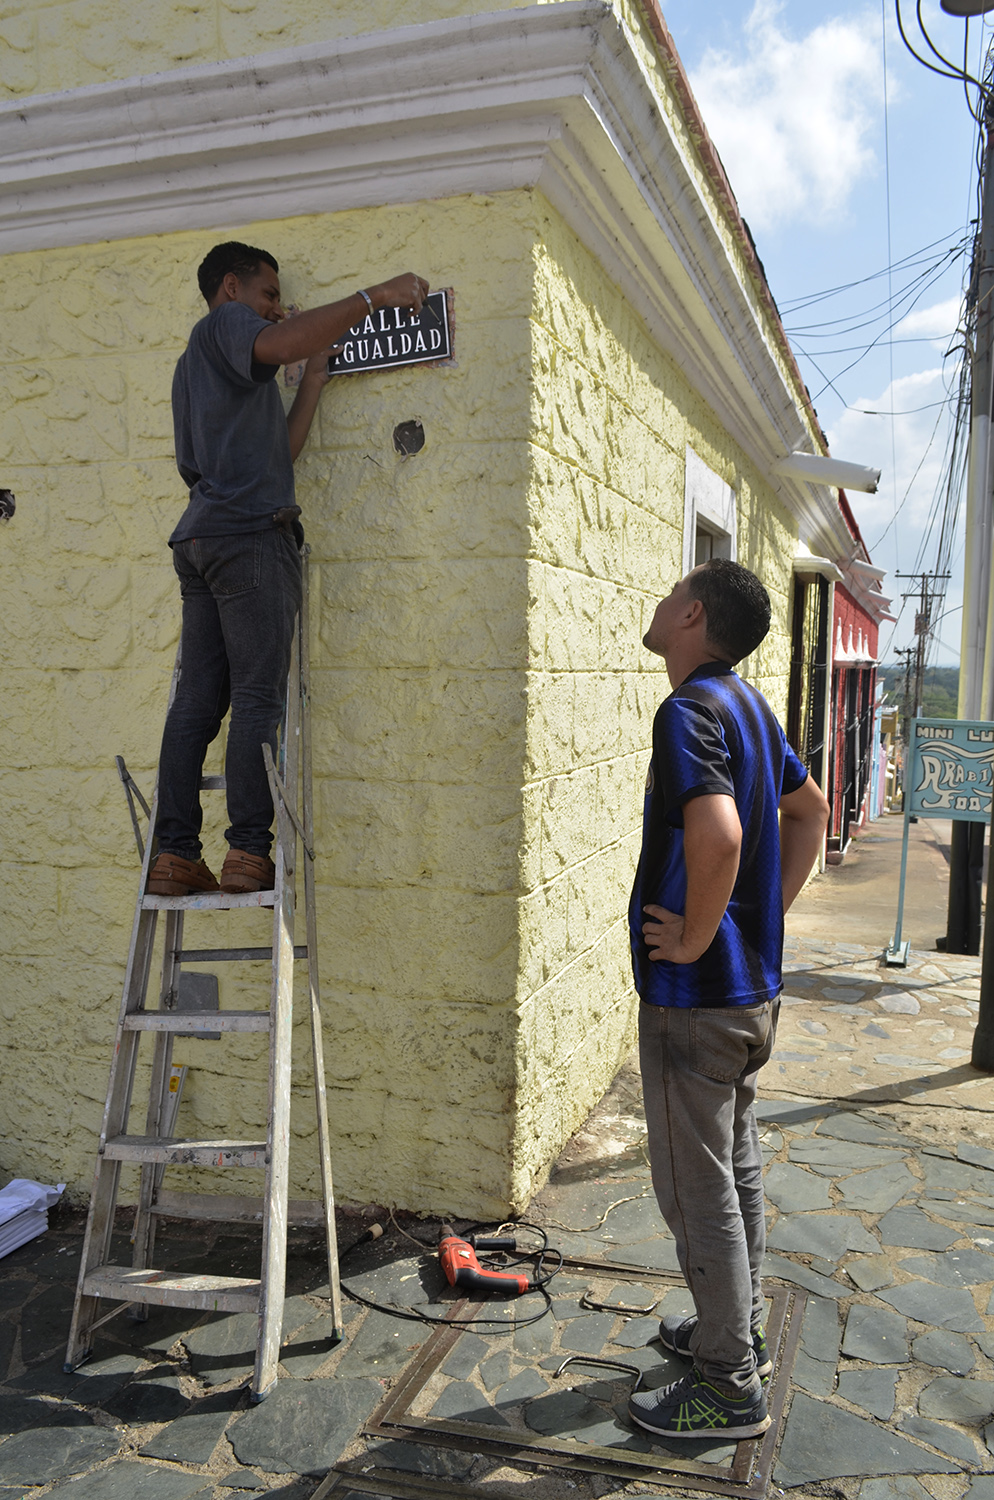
{"x":236,"y":550}
{"x":717,"y":872}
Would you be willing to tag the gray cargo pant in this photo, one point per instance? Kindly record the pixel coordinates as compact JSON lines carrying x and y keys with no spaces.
{"x":699,"y":1072}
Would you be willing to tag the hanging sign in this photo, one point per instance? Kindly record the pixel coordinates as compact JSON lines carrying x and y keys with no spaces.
{"x":949,"y":775}
{"x":393,"y":336}
{"x":951,"y":770}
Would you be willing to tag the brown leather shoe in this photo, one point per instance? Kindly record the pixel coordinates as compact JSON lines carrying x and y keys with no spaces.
{"x":171,"y":875}
{"x":244,"y":872}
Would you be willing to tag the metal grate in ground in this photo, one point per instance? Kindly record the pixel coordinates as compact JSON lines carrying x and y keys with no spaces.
{"x":571,"y":1422}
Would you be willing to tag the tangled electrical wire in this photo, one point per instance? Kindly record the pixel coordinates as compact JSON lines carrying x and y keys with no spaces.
{"x":540,"y":1281}
{"x":879,"y":319}
{"x":951,"y":69}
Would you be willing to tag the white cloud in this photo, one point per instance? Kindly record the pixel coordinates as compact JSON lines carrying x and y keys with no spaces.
{"x":865,"y":438}
{"x":936,"y":322}
{"x":791,"y":117}
{"x":920,"y":438}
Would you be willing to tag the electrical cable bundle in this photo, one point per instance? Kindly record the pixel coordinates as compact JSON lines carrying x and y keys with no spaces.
{"x":508,"y":1258}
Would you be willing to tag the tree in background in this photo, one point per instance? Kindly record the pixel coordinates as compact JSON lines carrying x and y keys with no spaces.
{"x":940,"y":694}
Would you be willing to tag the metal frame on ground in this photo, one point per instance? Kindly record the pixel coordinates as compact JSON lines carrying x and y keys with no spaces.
{"x":748,"y":1475}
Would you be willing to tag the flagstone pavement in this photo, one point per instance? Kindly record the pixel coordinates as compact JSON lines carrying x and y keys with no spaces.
{"x":879,"y":1144}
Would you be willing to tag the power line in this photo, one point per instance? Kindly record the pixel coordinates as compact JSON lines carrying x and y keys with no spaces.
{"x":924,"y":338}
{"x":949,"y":255}
{"x":950,"y":70}
{"x":890,"y":257}
{"x":907,"y":492}
{"x":870,"y":347}
{"x":795,"y":304}
{"x":908,"y":411}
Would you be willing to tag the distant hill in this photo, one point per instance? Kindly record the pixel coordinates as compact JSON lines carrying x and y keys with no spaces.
{"x":941,"y":689}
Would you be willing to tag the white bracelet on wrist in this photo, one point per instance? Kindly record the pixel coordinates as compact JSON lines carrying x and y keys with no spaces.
{"x":366,"y":298}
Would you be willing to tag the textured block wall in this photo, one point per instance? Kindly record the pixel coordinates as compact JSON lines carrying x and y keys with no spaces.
{"x":420,"y":643}
{"x":66,"y":44}
{"x":612,"y":417}
{"x":483,"y":704}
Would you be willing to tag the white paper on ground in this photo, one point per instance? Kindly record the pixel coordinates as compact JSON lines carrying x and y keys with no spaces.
{"x":22,"y":1194}
{"x":24,"y":1209}
{"x":26,"y":1226}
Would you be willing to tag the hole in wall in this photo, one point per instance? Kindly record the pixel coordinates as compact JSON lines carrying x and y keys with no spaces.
{"x":409,"y":437}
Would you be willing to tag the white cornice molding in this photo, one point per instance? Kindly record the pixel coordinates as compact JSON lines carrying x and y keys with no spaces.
{"x":552,"y":97}
{"x":807,"y":565}
{"x":873,"y":603}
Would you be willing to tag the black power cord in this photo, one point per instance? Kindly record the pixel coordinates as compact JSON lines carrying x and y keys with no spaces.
{"x":540,"y":1282}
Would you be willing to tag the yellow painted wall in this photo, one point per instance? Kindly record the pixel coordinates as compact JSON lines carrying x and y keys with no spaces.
{"x":51,"y":45}
{"x":483,"y":704}
{"x":612,"y":416}
{"x":68,"y":44}
{"x":420,"y":622}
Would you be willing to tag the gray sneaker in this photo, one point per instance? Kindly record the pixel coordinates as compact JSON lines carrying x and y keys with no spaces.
{"x":691,"y":1408}
{"x":676,"y":1331}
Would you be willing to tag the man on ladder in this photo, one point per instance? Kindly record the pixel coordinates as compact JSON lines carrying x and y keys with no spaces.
{"x":236,"y":550}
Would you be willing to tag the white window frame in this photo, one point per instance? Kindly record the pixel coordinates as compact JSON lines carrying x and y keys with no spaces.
{"x":710,"y":504}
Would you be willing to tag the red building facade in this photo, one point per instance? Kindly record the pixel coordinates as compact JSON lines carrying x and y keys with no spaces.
{"x":832,"y":710}
{"x":852,"y":736}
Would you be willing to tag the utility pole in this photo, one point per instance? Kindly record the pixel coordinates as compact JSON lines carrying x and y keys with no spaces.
{"x":976,"y":691}
{"x":927,"y":593}
{"x":905,"y":655}
{"x":966,"y":852}
{"x":976,"y":688}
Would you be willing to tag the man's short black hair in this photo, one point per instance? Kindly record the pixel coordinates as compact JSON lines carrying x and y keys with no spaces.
{"x":736,"y":604}
{"x":244,"y":260}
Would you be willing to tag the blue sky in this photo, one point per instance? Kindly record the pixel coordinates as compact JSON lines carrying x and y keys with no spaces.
{"x":793,"y":95}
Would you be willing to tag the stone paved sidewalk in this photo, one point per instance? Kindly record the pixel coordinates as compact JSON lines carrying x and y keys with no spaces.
{"x":880,"y":1179}
{"x":853,"y":1029}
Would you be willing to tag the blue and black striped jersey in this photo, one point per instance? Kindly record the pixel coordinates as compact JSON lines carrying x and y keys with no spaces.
{"x":715,"y":734}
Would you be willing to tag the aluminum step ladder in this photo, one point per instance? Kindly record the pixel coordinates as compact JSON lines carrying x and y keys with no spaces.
{"x":141,"y":1284}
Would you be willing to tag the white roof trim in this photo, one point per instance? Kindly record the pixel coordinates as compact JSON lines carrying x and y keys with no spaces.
{"x":549,"y":96}
{"x":807,"y":563}
{"x":867,"y":571}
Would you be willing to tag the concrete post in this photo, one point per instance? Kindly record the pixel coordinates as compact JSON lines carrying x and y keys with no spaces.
{"x":962,"y":934}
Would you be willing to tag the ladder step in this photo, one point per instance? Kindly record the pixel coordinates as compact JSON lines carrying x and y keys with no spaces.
{"x":231,"y":955}
{"x":189,"y":979}
{"x":208,"y":901}
{"x":233,"y":1208}
{"x":197,"y":1020}
{"x":185,"y":1152}
{"x":173,"y":1289}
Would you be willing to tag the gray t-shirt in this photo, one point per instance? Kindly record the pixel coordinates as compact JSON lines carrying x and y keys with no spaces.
{"x":232,"y":445}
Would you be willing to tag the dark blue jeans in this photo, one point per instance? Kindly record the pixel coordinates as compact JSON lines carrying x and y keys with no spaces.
{"x":241,"y":595}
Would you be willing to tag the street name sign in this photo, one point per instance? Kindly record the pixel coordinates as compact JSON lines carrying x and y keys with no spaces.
{"x":392,"y":336}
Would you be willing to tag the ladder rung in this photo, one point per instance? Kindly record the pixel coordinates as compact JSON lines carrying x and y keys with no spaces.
{"x":208,"y":901}
{"x":173,"y":1289}
{"x":233,"y":1207}
{"x":197,"y":1020}
{"x":231,"y":955}
{"x":186,"y":1152}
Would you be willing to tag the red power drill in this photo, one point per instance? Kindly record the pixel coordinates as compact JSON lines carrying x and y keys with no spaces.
{"x":462,"y":1269}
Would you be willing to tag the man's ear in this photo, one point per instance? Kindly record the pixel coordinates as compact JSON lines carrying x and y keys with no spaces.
{"x":229,"y":285}
{"x":693,"y":612}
